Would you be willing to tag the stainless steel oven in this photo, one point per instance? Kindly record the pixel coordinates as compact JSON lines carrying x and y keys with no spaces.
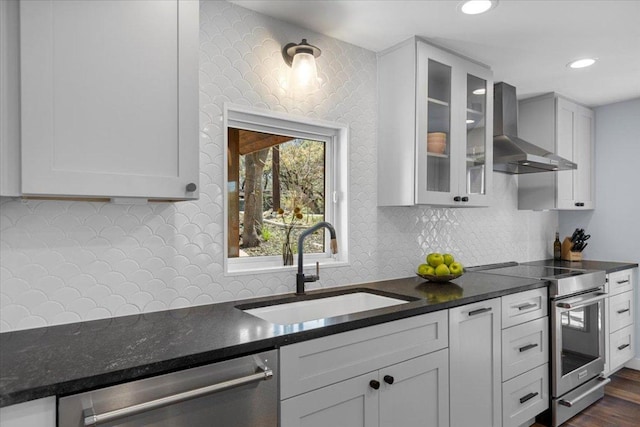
{"x":577,"y":350}
{"x":576,"y":303}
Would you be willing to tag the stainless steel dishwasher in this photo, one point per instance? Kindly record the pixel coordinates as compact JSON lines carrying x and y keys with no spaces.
{"x":241,"y":392}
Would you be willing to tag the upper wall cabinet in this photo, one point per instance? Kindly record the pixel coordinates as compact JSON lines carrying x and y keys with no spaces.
{"x":567,"y":129}
{"x":109,"y":93}
{"x":435,"y":128}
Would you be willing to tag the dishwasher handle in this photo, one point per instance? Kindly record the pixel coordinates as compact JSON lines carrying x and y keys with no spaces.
{"x":92,"y":420}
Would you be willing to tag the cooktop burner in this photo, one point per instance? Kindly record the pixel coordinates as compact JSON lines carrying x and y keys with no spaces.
{"x":564,"y":281}
{"x":536,"y":271}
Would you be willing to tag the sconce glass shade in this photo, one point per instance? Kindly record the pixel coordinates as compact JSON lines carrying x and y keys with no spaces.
{"x":301,"y":57}
{"x":304,"y":73}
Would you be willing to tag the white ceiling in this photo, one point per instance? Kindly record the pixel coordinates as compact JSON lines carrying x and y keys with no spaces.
{"x":526,"y":43}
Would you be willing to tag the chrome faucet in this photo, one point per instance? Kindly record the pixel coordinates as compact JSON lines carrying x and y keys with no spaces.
{"x":300,"y":277}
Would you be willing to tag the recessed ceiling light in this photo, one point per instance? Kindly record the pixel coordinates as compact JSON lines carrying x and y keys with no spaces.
{"x":469,"y":121}
{"x":581,"y":63}
{"x":475,"y":7}
{"x":481,"y":91}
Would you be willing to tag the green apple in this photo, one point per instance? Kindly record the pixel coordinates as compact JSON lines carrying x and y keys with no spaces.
{"x":448,"y":259}
{"x":423,"y":268}
{"x":442,"y":270}
{"x":435,"y":259}
{"x":456,"y":268}
{"x":430,"y":271}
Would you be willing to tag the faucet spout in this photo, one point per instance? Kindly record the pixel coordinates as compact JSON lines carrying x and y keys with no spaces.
{"x":300,"y":277}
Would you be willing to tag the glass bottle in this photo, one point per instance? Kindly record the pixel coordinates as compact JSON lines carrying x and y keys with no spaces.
{"x":557,"y":248}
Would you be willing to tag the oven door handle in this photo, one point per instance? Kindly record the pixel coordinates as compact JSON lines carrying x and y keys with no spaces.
{"x":91,"y":419}
{"x":571,"y":305}
{"x":569,"y":403}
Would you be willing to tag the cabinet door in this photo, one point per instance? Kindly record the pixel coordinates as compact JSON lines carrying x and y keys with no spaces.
{"x":566,"y":116}
{"x":35,"y":413}
{"x":476,"y":175}
{"x":416,"y":392}
{"x":439,"y":112}
{"x":584,"y":149}
{"x":475,"y":364}
{"x":350,"y":403}
{"x":9,"y":98}
{"x":109,"y":98}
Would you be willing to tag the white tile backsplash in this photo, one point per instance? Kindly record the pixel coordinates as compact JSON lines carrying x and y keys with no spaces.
{"x":66,"y":261}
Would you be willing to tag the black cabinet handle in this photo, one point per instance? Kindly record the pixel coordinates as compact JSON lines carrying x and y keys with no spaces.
{"x":465,"y":199}
{"x":374,"y":384}
{"x":623,"y":311}
{"x":528,"y":397}
{"x":526,"y":306}
{"x":579,"y":204}
{"x":388,"y":379}
{"x":527,"y":347}
{"x":191,"y":187}
{"x":623,"y":346}
{"x":479,"y":311}
{"x":457,"y":199}
{"x":620,"y":282}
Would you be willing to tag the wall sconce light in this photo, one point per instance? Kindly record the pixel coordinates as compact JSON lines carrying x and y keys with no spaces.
{"x":302,"y":60}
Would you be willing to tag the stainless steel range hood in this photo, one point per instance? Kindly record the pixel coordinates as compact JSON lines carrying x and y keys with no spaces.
{"x":511,"y":154}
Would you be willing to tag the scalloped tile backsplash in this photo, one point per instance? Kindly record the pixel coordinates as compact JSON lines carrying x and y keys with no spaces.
{"x":64,"y":262}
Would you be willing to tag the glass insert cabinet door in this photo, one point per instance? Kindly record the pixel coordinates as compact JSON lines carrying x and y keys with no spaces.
{"x":454,"y":130}
{"x":439,"y":127}
{"x":476,"y":135}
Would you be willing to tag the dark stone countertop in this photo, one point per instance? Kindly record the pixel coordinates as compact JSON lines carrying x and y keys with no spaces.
{"x":608,"y":266}
{"x":66,"y":359}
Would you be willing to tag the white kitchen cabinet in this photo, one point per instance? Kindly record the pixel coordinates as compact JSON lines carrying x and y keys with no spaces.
{"x":390,"y":374}
{"x":425,"y":92}
{"x":411,"y":393}
{"x":35,"y":413}
{"x":109,"y":93}
{"x":475,"y":364}
{"x":525,"y":357}
{"x":620,"y":309}
{"x":567,"y":129}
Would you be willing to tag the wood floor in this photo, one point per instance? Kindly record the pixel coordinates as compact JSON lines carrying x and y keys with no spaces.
{"x":620,"y":406}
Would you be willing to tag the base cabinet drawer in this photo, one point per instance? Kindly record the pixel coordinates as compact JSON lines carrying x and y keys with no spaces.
{"x":620,"y":281}
{"x":525,"y":396}
{"x":523,"y":307}
{"x":621,"y":311}
{"x":524,"y":347}
{"x":621,"y":347}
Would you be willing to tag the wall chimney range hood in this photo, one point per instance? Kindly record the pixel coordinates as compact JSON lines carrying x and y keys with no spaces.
{"x":511,"y":154}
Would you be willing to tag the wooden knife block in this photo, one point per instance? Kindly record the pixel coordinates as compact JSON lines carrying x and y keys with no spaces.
{"x":566,"y":254}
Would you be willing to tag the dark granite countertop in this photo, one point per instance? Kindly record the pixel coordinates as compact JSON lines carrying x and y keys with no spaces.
{"x":608,"y":266}
{"x":66,"y":359}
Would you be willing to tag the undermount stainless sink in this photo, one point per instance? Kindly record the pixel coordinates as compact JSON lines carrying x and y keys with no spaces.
{"x":322,"y":308}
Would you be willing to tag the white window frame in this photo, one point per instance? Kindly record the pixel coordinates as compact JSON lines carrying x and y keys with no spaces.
{"x":336,"y":138}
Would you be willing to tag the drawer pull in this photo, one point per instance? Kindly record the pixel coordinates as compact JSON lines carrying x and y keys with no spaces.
{"x":374,"y":384}
{"x":620,"y":282}
{"x":623,"y":311}
{"x":528,"y":397}
{"x":479,"y":311}
{"x":388,"y":379}
{"x":527,"y":347}
{"x":527,"y":306}
{"x":623,"y":346}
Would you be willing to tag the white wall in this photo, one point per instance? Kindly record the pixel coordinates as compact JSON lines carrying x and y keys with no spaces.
{"x":63,"y":261}
{"x":614,"y":225}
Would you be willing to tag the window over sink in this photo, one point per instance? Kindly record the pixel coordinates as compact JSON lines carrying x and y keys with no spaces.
{"x":284,"y":173}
